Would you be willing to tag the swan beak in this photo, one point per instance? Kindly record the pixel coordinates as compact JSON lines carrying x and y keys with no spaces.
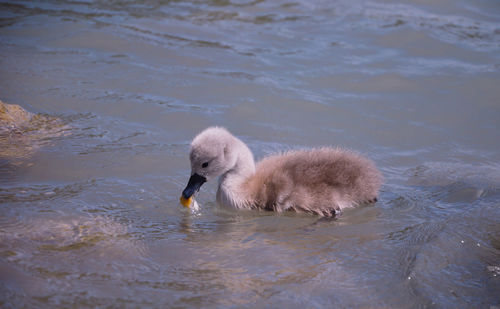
{"x":194,"y":184}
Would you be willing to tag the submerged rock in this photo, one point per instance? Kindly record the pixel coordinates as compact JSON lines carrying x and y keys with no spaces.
{"x":13,"y":117}
{"x":23,"y":132}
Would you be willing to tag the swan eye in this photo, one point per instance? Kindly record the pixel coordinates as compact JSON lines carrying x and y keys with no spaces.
{"x":204,"y":165}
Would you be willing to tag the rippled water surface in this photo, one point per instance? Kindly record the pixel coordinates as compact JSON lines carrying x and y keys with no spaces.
{"x":89,"y":203}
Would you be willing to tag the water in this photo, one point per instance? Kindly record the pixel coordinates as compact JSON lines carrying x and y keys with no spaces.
{"x":89,"y":208}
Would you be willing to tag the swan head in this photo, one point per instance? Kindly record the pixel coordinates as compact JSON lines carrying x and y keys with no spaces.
{"x":212,"y":154}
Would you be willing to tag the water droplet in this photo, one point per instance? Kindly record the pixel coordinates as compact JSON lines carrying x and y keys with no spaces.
{"x":195,"y":207}
{"x":494,"y":269}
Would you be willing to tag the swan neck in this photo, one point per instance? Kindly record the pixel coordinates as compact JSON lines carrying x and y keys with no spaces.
{"x":231,"y":190}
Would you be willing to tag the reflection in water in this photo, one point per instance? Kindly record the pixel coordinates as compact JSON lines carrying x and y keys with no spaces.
{"x":89,"y":188}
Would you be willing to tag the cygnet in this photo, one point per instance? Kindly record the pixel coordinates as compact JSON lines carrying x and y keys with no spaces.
{"x":321,"y":181}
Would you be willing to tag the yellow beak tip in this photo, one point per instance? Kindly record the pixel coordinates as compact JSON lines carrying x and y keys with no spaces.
{"x":186,"y":202}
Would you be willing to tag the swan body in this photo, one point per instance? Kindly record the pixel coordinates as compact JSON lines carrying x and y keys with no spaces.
{"x":321,"y":181}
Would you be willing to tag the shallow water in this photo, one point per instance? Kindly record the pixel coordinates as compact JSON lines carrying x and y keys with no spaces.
{"x":90,"y":213}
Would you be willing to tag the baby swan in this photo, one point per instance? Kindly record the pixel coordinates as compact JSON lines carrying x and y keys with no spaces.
{"x":321,"y":181}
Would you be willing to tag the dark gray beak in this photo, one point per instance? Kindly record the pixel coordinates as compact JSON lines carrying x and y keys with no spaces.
{"x":194,"y":184}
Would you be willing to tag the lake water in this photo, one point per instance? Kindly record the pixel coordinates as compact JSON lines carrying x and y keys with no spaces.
{"x":90,"y":215}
